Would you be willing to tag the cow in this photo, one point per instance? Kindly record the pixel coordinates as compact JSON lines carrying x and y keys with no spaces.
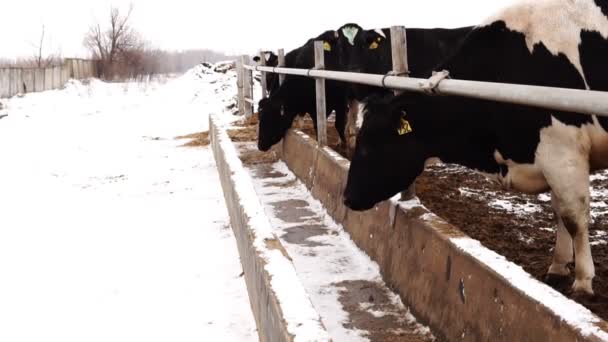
{"x":557,"y":43}
{"x":272,"y":60}
{"x":297,"y":94}
{"x":373,"y":55}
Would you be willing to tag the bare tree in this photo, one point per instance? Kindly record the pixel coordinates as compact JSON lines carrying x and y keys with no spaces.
{"x":115,"y":43}
{"x":40,"y":59}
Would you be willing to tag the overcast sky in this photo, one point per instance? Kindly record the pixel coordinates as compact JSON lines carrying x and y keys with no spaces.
{"x":232,"y":26}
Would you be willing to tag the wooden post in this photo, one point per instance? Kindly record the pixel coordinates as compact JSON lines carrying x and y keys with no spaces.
{"x":247,"y":87}
{"x":320,"y":89}
{"x":239,"y":84}
{"x":281,"y":64}
{"x":400,"y":67}
{"x":263,"y":75}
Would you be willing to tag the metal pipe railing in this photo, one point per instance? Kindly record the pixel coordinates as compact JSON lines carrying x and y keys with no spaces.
{"x":561,"y":99}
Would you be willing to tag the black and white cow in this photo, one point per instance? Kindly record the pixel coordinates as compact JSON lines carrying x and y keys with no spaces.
{"x":297,"y":95}
{"x":272,"y":60}
{"x":373,"y":55}
{"x":559,"y":43}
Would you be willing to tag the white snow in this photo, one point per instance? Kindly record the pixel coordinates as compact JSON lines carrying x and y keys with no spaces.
{"x":109,"y":231}
{"x":503,"y":201}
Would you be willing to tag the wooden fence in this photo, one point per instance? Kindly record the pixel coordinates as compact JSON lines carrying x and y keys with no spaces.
{"x":15,"y":81}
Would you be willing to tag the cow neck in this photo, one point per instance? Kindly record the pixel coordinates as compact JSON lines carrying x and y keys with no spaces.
{"x":450,"y":129}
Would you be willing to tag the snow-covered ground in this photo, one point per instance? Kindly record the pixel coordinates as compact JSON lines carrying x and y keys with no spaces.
{"x":109,"y":230}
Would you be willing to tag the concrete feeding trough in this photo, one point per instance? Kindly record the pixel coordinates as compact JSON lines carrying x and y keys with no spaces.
{"x":462,"y":290}
{"x":281,"y":307}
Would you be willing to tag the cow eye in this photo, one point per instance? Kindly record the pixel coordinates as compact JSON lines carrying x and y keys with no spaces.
{"x":373,"y":46}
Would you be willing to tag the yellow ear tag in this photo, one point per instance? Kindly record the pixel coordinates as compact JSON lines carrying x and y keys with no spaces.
{"x":405,"y":127}
{"x":326,"y":46}
{"x":373,"y":46}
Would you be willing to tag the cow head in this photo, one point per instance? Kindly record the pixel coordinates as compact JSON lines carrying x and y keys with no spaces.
{"x":388,"y":155}
{"x":371,"y":54}
{"x":272,"y":124}
{"x":376,"y":52}
{"x":330,"y":47}
{"x":270,"y":59}
{"x":348,"y":41}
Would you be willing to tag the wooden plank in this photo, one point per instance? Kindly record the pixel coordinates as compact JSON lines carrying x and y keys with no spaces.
{"x":400,"y":67}
{"x":281,"y":64}
{"x":399,"y":50}
{"x":320,"y":92}
{"x":247,"y":87}
{"x":263,"y":75}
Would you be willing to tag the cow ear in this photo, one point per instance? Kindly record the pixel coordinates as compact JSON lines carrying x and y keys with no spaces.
{"x":326,"y":46}
{"x":256,"y":59}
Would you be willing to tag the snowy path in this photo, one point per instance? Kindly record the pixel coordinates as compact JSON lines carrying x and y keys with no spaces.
{"x":109,"y":231}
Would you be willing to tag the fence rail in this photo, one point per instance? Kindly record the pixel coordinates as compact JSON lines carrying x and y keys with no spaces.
{"x":563,"y":99}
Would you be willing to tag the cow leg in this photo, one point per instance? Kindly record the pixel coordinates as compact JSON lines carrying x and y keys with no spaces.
{"x":574,"y":219}
{"x":563,"y":156}
{"x":562,"y":255}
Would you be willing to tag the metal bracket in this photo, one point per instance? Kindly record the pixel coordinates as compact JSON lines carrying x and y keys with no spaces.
{"x":393,"y":73}
{"x":313,"y":69}
{"x":430,"y":86}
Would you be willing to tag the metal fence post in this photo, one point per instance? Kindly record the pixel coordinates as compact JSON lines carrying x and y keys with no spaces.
{"x":263,"y":75}
{"x":281,"y":64}
{"x":320,"y":90}
{"x":247,"y":87}
{"x":400,"y":68}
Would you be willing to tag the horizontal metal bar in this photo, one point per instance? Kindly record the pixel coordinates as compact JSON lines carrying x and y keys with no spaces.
{"x":562,"y":99}
{"x":249,"y":100}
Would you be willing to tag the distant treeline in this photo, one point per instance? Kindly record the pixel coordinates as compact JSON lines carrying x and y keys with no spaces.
{"x":178,"y":62}
{"x":120,"y":50}
{"x":136,"y":62}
